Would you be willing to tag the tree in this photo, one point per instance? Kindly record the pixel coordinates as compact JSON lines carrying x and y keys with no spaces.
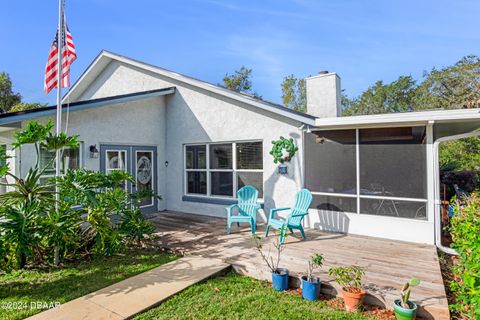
{"x":294,"y":93}
{"x":453,"y":87}
{"x":397,"y":96}
{"x":7,"y":97}
{"x":27,"y":106}
{"x":239,"y":81}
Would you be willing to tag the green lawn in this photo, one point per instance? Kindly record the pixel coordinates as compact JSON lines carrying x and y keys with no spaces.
{"x":236,"y":297}
{"x":72,"y":281}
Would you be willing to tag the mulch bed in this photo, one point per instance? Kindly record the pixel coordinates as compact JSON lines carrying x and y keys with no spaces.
{"x":337,"y":303}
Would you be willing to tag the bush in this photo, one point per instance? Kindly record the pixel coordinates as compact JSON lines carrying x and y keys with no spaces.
{"x":465,"y":231}
{"x":467,"y":180}
{"x":93,"y":210}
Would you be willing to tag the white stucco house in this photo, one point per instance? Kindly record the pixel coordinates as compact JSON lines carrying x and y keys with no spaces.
{"x":196,"y":144}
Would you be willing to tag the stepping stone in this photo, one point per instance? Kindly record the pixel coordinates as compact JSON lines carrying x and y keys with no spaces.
{"x":134,"y":295}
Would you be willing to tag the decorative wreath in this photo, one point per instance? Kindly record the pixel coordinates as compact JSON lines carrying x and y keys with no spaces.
{"x":281,"y":145}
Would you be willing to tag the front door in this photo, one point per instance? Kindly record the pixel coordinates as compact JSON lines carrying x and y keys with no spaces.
{"x":140,"y":162}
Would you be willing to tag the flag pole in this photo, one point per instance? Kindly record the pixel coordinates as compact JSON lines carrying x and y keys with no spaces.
{"x":58,"y":126}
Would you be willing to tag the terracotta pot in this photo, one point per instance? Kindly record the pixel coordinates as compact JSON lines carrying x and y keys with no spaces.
{"x":353,"y":301}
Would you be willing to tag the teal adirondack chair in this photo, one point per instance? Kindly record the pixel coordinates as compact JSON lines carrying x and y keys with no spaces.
{"x":247,"y":208}
{"x":303,"y":199}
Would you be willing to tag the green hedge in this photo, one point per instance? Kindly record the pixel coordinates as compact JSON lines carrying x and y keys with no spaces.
{"x":465,"y":230}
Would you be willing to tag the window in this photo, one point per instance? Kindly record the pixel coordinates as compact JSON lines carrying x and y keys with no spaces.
{"x":249,"y":170}
{"x":379,"y":171}
{"x":227,"y":168}
{"x":71,"y":159}
{"x":196,"y":166}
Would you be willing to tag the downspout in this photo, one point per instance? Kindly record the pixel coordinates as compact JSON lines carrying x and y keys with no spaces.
{"x":438,"y":218}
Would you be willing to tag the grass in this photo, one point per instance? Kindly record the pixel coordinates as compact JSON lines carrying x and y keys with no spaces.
{"x":236,"y":297}
{"x":22,"y":288}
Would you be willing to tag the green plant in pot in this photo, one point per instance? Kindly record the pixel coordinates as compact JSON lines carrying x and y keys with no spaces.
{"x":350,"y":279}
{"x":279,"y":275}
{"x":310,"y":284}
{"x":404,"y":308}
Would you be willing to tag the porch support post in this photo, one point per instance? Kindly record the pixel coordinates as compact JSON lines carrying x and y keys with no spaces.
{"x":431,"y":185}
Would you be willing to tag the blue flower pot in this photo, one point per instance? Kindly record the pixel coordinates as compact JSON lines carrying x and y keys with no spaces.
{"x":311,"y":290}
{"x":280,"y":279}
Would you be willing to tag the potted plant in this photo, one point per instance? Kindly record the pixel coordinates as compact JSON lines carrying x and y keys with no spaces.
{"x":403,"y":307}
{"x":350,"y":279}
{"x":279,"y":275}
{"x":310,"y":284}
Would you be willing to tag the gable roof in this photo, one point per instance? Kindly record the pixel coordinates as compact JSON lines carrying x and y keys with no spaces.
{"x":105,"y":57}
{"x":12,"y":117}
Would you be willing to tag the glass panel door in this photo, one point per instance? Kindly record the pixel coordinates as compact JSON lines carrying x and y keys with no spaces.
{"x":144,"y":171}
{"x":140,"y":162}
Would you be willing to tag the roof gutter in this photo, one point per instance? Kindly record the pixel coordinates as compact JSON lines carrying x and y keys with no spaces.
{"x":84,"y":105}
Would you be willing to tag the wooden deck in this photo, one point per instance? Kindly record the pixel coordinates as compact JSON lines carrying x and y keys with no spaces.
{"x":388,"y":264}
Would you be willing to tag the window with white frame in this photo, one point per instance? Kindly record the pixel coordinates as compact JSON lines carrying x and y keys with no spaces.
{"x":71,"y":159}
{"x":220,"y":169}
{"x":379,"y":171}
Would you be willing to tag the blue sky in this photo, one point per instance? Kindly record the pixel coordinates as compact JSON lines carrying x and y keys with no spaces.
{"x":363,"y":41}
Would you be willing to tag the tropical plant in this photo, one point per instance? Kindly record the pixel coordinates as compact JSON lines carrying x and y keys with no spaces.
{"x":271,"y":259}
{"x":465,"y":231}
{"x":350,"y":277}
{"x":20,"y":232}
{"x":405,"y":292}
{"x":81,"y":209}
{"x":316,"y":261}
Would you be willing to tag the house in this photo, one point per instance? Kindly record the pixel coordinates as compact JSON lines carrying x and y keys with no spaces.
{"x":196,"y":143}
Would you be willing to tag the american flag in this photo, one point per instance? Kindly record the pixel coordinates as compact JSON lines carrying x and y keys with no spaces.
{"x":68,"y":56}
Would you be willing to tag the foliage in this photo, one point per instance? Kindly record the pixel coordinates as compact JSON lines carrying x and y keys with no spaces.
{"x":271,"y":261}
{"x":460,"y":164}
{"x":10,"y":101}
{"x":281,"y":145}
{"x":232,"y":296}
{"x":19,"y":231}
{"x":294,"y":93}
{"x":405,"y":291}
{"x":239,"y":81}
{"x":465,"y":231}
{"x":315,"y":262}
{"x":452,"y":87}
{"x":7,"y":97}
{"x":468,"y":180}
{"x":112,"y":214}
{"x":27,"y":106}
{"x":350,"y":278}
{"x":397,"y":96}
{"x":75,"y":279}
{"x":92,"y":210}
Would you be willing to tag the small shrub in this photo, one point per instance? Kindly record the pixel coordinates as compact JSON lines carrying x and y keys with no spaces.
{"x":272,"y":260}
{"x":315,"y":262}
{"x":349,"y":278}
{"x":465,"y":231}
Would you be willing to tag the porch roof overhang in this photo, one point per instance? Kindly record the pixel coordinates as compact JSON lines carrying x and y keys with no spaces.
{"x":398,"y":119}
{"x":12,"y":120}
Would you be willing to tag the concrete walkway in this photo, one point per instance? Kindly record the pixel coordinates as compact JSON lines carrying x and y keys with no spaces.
{"x":138,"y":293}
